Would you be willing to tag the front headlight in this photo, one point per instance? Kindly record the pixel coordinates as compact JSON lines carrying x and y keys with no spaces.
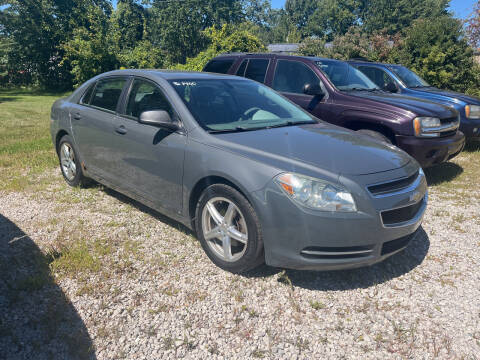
{"x":425,"y":126}
{"x":316,"y":194}
{"x":472,"y":111}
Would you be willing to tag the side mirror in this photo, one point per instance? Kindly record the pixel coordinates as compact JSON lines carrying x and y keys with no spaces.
{"x":313,"y":89}
{"x":159,"y":118}
{"x":391,"y":87}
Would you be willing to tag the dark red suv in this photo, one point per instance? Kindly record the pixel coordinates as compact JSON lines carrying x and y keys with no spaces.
{"x":339,"y":93}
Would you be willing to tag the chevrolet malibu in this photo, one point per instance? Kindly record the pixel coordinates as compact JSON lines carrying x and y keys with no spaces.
{"x":258,"y":178}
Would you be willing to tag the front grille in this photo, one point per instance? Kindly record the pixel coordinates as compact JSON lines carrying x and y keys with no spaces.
{"x":448,"y":133}
{"x":352,"y":252}
{"x":394,"y":245}
{"x":397,"y":216}
{"x":449,"y":120}
{"x":393,"y":186}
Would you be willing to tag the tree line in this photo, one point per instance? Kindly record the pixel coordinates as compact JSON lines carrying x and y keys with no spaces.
{"x":58,"y":44}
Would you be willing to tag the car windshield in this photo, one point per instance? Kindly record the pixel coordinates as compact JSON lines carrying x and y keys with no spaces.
{"x":346,"y":77}
{"x":408,"y":77}
{"x":221,"y":105}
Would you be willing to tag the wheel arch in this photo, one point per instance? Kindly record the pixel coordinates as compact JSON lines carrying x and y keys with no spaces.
{"x":60,"y":134}
{"x":201,"y":185}
{"x":381,"y":128}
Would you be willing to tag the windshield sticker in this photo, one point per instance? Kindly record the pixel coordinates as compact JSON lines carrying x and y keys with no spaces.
{"x":185,"y":83}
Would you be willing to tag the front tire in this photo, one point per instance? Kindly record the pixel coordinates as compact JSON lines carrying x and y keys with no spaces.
{"x":228,"y":229}
{"x":70,"y":164}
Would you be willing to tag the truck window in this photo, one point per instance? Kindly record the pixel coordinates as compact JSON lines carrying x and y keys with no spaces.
{"x":292,"y":76}
{"x":378,"y":76}
{"x":256,"y":69}
{"x":219,"y":66}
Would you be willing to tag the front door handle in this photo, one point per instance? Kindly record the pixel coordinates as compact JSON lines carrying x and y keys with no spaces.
{"x":121,"y":130}
{"x":77,"y":116}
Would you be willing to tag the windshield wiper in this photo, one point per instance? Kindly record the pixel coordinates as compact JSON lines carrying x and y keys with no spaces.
{"x":290,"y":123}
{"x":360,"y":89}
{"x":236,"y":129}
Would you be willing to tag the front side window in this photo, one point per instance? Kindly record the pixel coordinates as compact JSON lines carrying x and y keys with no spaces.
{"x":219,"y":66}
{"x":237,"y":105}
{"x":378,"y":76}
{"x":409,"y":78}
{"x":292,"y":76}
{"x":107,"y":93}
{"x":344,"y":76}
{"x":146,"y":96}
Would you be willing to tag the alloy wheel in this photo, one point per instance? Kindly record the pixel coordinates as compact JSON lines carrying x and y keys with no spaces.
{"x":224,"y":229}
{"x":67,"y":161}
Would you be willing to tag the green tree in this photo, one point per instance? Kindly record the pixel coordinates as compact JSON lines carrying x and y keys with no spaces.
{"x":437,"y":50}
{"x":91,"y":50}
{"x":143,"y":56}
{"x":333,"y":17}
{"x":128,"y":23}
{"x":354,"y":44}
{"x":396,"y":15}
{"x":36,"y":29}
{"x":178,"y":25}
{"x":299,"y":12}
{"x":222,"y":40}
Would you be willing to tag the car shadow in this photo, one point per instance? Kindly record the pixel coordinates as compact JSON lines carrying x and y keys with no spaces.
{"x":442,"y":173}
{"x":37,"y":321}
{"x":472,"y":146}
{"x":148,"y":210}
{"x":397,"y":265}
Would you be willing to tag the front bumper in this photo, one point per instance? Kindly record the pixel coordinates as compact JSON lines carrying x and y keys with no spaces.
{"x":471,"y":128}
{"x":298,"y":238}
{"x":432,"y":151}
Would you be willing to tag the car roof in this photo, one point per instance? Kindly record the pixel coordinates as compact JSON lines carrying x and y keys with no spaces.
{"x":168,"y":74}
{"x":269,"y":55}
{"x":366,"y":62}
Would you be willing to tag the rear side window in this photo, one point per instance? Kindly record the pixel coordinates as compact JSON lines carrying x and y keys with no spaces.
{"x":257,"y":69}
{"x":107,"y":93}
{"x":292,"y":76}
{"x":219,"y":66}
{"x":87,"y":95}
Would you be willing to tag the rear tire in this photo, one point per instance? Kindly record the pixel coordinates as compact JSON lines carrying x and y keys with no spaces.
{"x":70,"y":164}
{"x":228,"y":229}
{"x":375,"y":134}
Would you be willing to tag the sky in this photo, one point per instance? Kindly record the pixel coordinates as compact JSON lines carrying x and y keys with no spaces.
{"x":461,"y":8}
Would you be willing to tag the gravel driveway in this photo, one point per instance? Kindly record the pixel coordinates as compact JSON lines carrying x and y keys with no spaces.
{"x":121,"y":281}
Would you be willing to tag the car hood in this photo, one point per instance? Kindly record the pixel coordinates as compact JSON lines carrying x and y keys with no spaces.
{"x":448,"y":95}
{"x":420,"y":107}
{"x":326,"y":147}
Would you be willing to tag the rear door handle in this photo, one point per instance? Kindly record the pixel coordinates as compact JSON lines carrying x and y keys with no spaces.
{"x":121,"y":130}
{"x":77,"y":116}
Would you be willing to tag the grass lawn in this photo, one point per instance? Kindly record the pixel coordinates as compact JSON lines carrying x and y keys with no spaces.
{"x":25,"y":145}
{"x":26,"y":151}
